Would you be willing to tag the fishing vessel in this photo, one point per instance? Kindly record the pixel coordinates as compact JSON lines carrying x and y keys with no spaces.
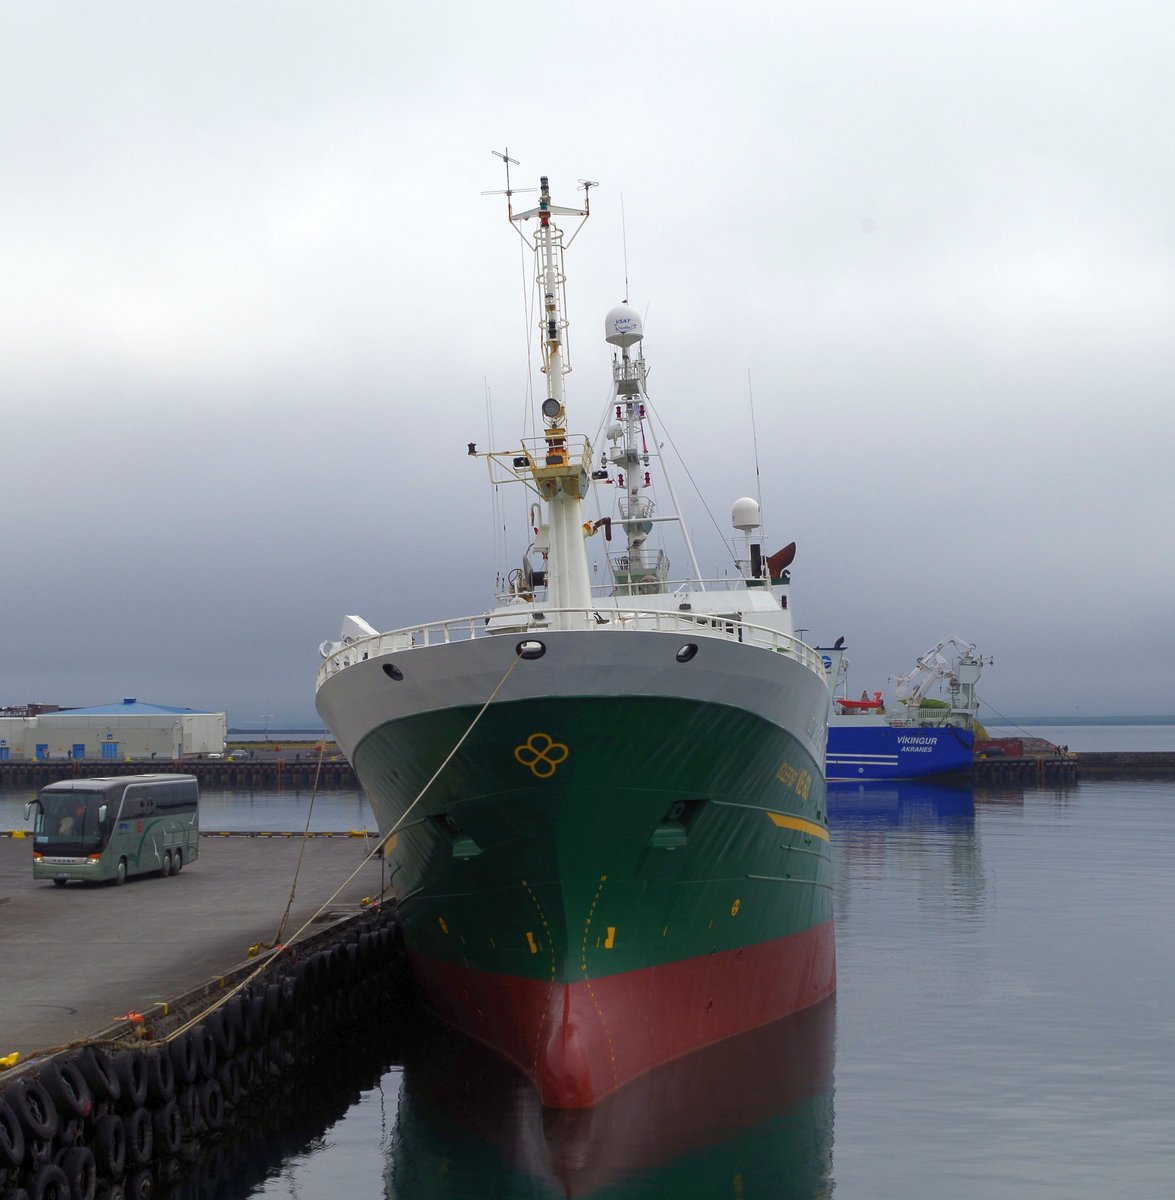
{"x":914,"y":736}
{"x":603,"y":806}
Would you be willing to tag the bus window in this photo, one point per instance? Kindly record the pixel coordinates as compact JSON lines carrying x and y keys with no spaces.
{"x":68,"y":818}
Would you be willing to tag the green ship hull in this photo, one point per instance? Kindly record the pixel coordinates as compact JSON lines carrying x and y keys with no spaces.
{"x":590,"y":902}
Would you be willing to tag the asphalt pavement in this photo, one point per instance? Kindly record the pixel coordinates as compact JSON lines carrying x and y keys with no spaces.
{"x":74,"y":959}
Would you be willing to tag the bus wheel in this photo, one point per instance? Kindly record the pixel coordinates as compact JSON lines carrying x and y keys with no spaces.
{"x":179,"y":862}
{"x":120,"y":872}
{"x":59,"y":882}
{"x":165,"y":868}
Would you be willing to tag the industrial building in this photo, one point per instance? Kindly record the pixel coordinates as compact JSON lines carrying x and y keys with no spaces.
{"x":121,"y":732}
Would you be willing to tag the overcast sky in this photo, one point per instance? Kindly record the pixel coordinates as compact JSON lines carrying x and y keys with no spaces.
{"x":253,"y":300}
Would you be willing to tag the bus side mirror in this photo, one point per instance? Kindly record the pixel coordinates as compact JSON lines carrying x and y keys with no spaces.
{"x":101,"y":813}
{"x":28,"y":809}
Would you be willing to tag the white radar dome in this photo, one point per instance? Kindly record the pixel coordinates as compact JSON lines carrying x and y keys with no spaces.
{"x":744,"y":514}
{"x":622,"y":327}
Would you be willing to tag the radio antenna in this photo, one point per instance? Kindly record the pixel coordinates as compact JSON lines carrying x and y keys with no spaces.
{"x":624,"y":243}
{"x":507,"y":191}
{"x":755,"y":445}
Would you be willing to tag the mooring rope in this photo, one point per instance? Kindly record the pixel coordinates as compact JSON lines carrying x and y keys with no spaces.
{"x":277,"y":937}
{"x":284,"y":947}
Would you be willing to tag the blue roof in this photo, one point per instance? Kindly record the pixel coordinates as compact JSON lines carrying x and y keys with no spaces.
{"x":132,"y":707}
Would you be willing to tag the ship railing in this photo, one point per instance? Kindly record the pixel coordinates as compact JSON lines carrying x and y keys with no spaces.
{"x":675,"y":587}
{"x":522,"y":618}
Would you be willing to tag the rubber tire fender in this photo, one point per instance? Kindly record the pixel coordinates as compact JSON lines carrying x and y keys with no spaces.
{"x":160,"y":1075}
{"x":189,"y":1105}
{"x":71,"y":1093}
{"x":109,"y":1143}
{"x":11,"y":1136}
{"x":81,"y":1172}
{"x":184,"y":1060}
{"x":131,"y":1068}
{"x":97,"y":1068}
{"x":211,"y":1098}
{"x":256,"y":1018}
{"x":139,"y":1138}
{"x":169,"y":1130}
{"x":141,"y":1185}
{"x":206,"y":1052}
{"x":224,"y":1031}
{"x":49,"y":1183}
{"x":35,"y":1109}
{"x":228,"y":1075}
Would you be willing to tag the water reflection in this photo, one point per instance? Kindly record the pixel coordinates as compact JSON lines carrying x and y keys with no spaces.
{"x":919,"y":835}
{"x":901,"y":803}
{"x":752,"y":1116}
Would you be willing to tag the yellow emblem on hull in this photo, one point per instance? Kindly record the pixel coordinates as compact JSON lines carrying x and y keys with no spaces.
{"x":541,"y":754}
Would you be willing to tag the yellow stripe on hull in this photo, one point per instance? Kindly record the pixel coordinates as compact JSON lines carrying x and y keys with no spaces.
{"x":786,"y":822}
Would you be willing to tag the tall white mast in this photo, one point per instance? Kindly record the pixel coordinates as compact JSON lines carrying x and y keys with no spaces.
{"x":561,"y":468}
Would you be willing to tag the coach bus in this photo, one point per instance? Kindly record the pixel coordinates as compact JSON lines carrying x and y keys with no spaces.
{"x":102,"y":829}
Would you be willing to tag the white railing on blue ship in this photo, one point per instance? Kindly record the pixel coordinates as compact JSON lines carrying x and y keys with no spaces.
{"x":463,"y":629}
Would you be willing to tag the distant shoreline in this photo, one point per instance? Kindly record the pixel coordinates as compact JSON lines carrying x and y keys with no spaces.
{"x":1005,"y":722}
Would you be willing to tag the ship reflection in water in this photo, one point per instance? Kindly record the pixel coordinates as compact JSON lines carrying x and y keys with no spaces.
{"x":922,"y":833}
{"x":901,"y":803}
{"x":752,"y":1116}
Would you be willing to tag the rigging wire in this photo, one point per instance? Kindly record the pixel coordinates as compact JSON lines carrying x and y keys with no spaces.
{"x":755,"y":446}
{"x":1006,"y":720}
{"x":277,"y":937}
{"x":624,"y":243}
{"x":694,"y":483}
{"x":380,"y":844}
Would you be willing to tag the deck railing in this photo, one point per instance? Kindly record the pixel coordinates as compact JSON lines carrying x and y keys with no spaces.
{"x":521,"y":620}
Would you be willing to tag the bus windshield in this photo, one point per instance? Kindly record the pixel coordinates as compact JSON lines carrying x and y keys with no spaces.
{"x":68,"y":821}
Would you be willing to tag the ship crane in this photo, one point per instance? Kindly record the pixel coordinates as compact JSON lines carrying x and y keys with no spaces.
{"x":933,"y":667}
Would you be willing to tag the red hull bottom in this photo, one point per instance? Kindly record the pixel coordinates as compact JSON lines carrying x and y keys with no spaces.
{"x":578,"y":1042}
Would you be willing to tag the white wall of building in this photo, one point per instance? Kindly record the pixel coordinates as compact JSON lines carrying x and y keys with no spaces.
{"x":126,"y":736}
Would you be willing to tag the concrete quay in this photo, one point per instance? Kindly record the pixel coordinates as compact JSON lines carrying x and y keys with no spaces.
{"x":75,"y":959}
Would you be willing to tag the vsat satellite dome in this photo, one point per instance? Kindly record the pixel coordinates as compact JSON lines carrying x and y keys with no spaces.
{"x":622,"y":327}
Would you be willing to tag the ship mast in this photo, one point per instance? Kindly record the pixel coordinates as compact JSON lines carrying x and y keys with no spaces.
{"x":560,"y":466}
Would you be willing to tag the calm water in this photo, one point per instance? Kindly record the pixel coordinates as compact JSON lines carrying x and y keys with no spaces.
{"x":1004,"y":1025}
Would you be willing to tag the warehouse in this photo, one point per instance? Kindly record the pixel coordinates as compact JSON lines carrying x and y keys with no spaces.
{"x":121,"y":732}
